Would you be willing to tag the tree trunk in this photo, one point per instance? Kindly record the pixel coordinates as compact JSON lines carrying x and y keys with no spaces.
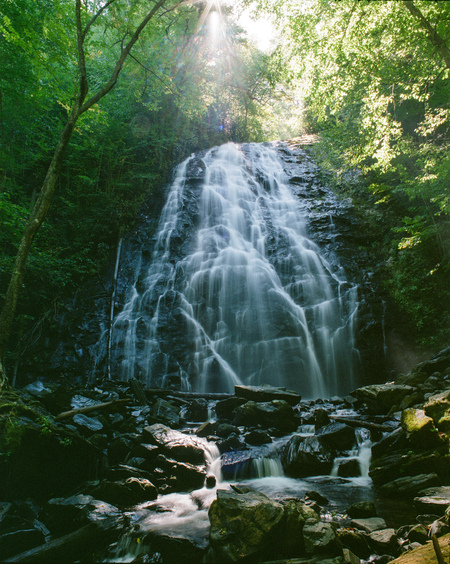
{"x":35,"y":221}
{"x":42,"y":205}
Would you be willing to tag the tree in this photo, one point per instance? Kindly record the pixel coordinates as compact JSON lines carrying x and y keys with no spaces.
{"x":375,"y":78}
{"x":81,"y":103}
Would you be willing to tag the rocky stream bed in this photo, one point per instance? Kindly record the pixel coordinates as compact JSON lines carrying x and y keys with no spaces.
{"x":116,"y":473}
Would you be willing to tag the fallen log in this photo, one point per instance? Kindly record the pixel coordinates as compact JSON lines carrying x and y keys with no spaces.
{"x":361,"y":423}
{"x":151,"y":392}
{"x":90,"y":408}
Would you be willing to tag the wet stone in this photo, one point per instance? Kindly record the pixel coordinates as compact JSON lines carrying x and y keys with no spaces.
{"x":369,"y":525}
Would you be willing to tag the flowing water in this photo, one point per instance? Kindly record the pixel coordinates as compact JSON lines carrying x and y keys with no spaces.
{"x":236,"y":292}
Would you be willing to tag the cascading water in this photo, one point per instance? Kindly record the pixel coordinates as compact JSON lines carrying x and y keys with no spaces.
{"x":236,"y":292}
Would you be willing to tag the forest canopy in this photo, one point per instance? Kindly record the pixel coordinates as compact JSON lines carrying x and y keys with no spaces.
{"x":370,"y":78}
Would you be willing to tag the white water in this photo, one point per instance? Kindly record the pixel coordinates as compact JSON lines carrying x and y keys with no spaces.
{"x":258,"y":301}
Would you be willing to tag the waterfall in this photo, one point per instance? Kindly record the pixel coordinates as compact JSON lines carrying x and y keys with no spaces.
{"x":236,"y":292}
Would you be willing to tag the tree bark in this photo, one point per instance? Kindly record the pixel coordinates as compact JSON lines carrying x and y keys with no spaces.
{"x":43,"y":203}
{"x":433,"y":35}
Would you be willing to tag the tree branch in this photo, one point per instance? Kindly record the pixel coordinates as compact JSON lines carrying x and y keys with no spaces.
{"x":92,"y":20}
{"x":112,"y":81}
{"x":433,"y":35}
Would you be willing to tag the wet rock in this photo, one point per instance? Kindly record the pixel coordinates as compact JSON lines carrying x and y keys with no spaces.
{"x":337,"y":436}
{"x":433,"y":500}
{"x":391,"y":467}
{"x":125,"y":493}
{"x":163,"y":411}
{"x":224,"y":430}
{"x":257,"y":437}
{"x":245,"y":525}
{"x":316,"y":496}
{"x":384,"y":541}
{"x":84,"y":423}
{"x":320,"y":538}
{"x":356,"y":541}
{"x":124,"y":471}
{"x":206,"y":429}
{"x":419,"y":533}
{"x":392,"y":442}
{"x":118,"y":449}
{"x":320,"y":417}
{"x":410,"y":484}
{"x":266,"y":393}
{"x":197,"y":410}
{"x":419,"y":428}
{"x":381,"y":398}
{"x":184,"y":477}
{"x":349,"y":557}
{"x":296,"y":514}
{"x":226,"y":407}
{"x":239,"y":464}
{"x":348,"y":468}
{"x":369,"y":525}
{"x":276,"y":413}
{"x":362,"y":510}
{"x":186,"y":448}
{"x":306,"y":457}
{"x":439,"y":528}
{"x":66,"y":514}
{"x":437,"y":405}
{"x":232,"y":443}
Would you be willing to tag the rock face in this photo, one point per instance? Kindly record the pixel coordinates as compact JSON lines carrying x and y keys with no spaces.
{"x":83,"y":326}
{"x":245,"y":525}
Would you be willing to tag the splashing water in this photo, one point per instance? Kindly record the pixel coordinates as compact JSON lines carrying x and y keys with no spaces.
{"x":236,"y":292}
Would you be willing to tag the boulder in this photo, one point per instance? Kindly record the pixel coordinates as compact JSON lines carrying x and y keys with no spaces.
{"x":275,"y":413}
{"x":239,"y":464}
{"x":410,"y":484}
{"x":182,"y":447}
{"x":419,"y":428}
{"x":444,"y":423}
{"x":245,"y":524}
{"x":384,"y":541}
{"x":433,"y":500}
{"x":267,"y":393}
{"x":163,"y":411}
{"x":400,"y":464}
{"x":348,"y":468}
{"x":197,"y":410}
{"x":257,"y":437}
{"x":337,"y":436}
{"x":306,"y":456}
{"x":225,"y":408}
{"x":419,"y":533}
{"x":356,"y":541}
{"x":381,"y":398}
{"x":369,"y":525}
{"x":320,"y":538}
{"x":224,"y":430}
{"x":296,"y":514}
{"x":362,"y":510}
{"x":125,"y":493}
{"x":437,"y":405}
{"x":182,"y":476}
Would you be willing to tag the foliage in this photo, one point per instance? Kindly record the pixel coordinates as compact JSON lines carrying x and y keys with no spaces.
{"x":179,"y":92}
{"x":376,"y":85}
